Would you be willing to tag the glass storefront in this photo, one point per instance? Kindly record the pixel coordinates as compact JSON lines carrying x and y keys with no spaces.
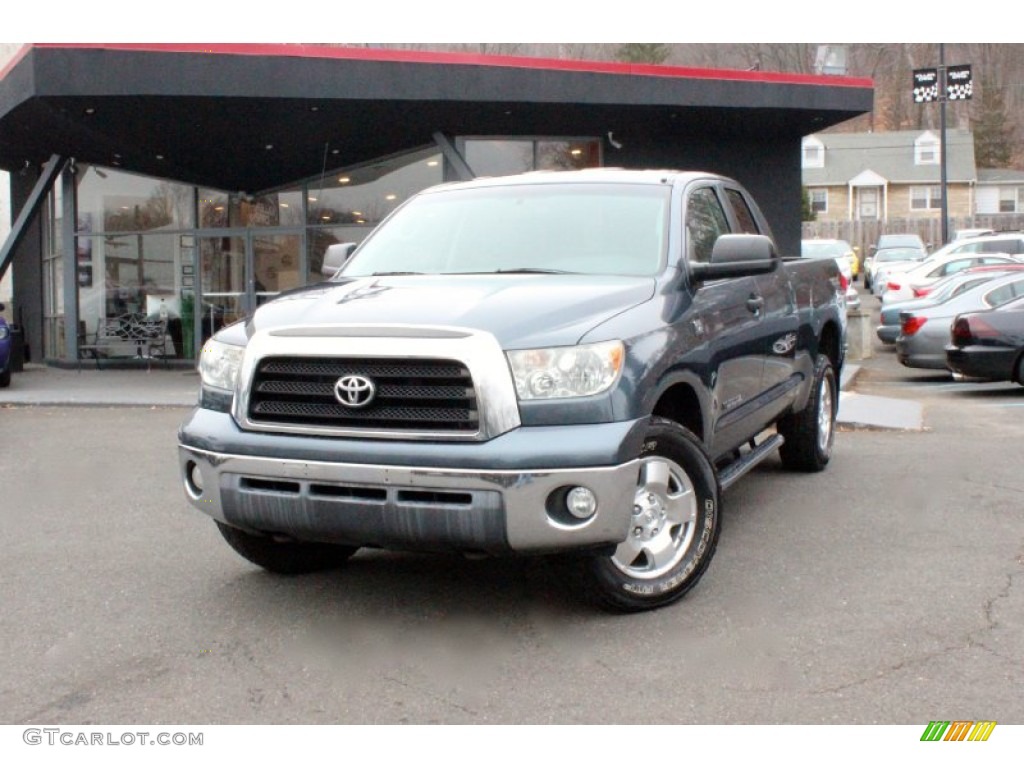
{"x":199,"y":258}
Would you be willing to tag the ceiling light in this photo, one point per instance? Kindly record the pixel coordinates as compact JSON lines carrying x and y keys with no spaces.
{"x":344,"y":179}
{"x":158,"y":157}
{"x":90,"y":110}
{"x":218,"y":207}
{"x":432,"y":163}
{"x":269,"y":146}
{"x":314,"y":109}
{"x":284,"y":205}
{"x":360,"y":221}
{"x":576,"y":152}
{"x":390,"y":197}
{"x":335,"y":151}
{"x":312,"y":199}
{"x":357,"y":213}
{"x":326,"y":217}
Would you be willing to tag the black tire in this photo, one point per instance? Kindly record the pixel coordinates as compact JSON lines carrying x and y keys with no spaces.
{"x":5,"y":378}
{"x":810,"y":433}
{"x":287,"y":557}
{"x":674,"y":530}
{"x":1020,"y":370}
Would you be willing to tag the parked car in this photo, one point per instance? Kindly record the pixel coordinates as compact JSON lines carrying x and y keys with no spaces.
{"x":900,"y":241}
{"x":963,"y":234}
{"x":925,"y":332}
{"x":890,"y":257}
{"x":845,"y":258}
{"x":946,"y":288}
{"x":901,"y":286}
{"x":5,"y":352}
{"x":989,"y":345}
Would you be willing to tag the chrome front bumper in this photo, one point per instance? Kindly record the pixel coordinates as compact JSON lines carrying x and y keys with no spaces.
{"x":404,"y":507}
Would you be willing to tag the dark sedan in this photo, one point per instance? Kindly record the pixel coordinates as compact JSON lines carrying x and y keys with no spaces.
{"x":989,"y":345}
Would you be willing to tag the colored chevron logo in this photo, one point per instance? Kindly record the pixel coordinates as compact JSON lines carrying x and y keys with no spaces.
{"x":958,"y":730}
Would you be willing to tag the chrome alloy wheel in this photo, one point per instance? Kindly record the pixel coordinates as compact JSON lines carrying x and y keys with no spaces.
{"x":825,"y":414}
{"x":663,"y":523}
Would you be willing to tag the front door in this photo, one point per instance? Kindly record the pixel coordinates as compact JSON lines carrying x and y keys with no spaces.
{"x":867,"y":209}
{"x":241,"y":269}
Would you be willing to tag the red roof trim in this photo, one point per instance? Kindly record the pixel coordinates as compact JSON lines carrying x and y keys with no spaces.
{"x":427,"y":57}
{"x":14,"y":60}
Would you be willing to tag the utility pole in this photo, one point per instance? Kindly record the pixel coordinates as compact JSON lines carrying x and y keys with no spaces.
{"x":943,"y":98}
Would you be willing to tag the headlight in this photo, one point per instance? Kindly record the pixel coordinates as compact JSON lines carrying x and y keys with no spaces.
{"x":589,"y":369}
{"x":219,"y":364}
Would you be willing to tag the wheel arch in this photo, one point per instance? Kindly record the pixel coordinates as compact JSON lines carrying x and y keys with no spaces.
{"x":678,"y":400}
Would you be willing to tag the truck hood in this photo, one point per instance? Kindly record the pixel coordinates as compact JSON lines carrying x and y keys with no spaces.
{"x":521,"y":311}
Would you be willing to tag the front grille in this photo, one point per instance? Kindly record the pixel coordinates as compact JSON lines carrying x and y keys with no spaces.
{"x":433,"y":395}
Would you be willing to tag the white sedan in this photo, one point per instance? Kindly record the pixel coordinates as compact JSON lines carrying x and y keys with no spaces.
{"x":900,"y":286}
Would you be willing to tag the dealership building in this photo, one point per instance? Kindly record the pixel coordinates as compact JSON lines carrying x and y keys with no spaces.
{"x":194,"y":182}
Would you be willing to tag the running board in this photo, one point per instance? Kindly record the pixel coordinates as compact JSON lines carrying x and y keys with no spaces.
{"x":748,"y":461}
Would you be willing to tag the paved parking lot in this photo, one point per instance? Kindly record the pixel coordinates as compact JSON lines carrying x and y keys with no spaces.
{"x":888,"y":589}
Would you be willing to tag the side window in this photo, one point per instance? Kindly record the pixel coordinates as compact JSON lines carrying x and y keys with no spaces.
{"x":743,"y":213}
{"x":705,"y":221}
{"x":952,"y":267}
{"x":1000,"y":295}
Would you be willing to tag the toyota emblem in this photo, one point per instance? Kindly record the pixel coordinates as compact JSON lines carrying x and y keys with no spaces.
{"x":354,"y":391}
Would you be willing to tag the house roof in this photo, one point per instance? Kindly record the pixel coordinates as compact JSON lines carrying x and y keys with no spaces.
{"x":890,"y":155}
{"x":254,"y":117}
{"x":1000,"y":176}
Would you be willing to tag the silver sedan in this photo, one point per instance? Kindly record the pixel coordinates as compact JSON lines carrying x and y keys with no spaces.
{"x":924,"y":332}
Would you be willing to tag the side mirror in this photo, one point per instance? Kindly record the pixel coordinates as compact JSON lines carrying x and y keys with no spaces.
{"x":335,"y":258}
{"x":737,"y":256}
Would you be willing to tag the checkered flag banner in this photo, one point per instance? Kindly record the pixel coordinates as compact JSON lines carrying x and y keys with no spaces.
{"x":926,"y":85}
{"x":959,"y":83}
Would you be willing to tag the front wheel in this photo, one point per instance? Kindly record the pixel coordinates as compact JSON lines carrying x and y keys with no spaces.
{"x":810,"y":434}
{"x":5,"y":378}
{"x":673,"y":529}
{"x":287,"y":557}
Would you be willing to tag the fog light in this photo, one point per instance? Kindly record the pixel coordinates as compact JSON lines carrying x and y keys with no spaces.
{"x":581,"y":502}
{"x":194,"y":478}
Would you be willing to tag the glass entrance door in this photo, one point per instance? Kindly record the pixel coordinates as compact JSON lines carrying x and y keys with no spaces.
{"x":223,"y":278}
{"x":241,"y":269}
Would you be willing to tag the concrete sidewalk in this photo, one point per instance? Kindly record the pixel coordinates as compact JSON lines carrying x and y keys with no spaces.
{"x":43,"y":385}
{"x":873,"y":412}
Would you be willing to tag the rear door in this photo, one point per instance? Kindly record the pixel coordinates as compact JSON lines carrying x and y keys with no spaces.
{"x":780,"y":322}
{"x":728,"y":317}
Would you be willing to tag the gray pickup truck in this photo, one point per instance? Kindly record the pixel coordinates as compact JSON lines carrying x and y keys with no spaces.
{"x":574,"y":362}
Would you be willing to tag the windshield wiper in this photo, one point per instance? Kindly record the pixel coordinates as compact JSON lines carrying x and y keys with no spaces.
{"x":533,"y":271}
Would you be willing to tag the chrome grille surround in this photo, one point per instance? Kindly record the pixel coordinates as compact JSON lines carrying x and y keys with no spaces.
{"x":497,"y":410}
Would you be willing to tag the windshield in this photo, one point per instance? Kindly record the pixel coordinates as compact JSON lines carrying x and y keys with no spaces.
{"x":899,"y":254}
{"x":596,"y":229}
{"x":814,"y":249}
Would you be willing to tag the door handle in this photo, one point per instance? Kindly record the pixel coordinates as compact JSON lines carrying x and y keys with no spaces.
{"x":755,"y":303}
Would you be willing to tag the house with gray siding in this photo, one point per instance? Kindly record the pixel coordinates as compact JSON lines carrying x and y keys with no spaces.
{"x":884,"y":176}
